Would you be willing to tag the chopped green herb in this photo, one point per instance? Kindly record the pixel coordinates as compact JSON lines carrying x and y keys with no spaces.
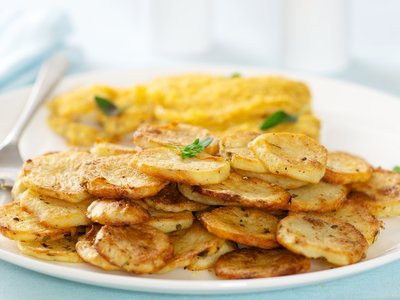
{"x":236,"y":75}
{"x":107,"y":107}
{"x":396,"y":169}
{"x":276,"y":119}
{"x":196,"y":147}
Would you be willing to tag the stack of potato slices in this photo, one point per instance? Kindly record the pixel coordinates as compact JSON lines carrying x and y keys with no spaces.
{"x":248,"y":205}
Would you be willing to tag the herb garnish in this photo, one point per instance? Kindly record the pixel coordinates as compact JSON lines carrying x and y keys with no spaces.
{"x":277,"y":118}
{"x":236,"y":75}
{"x":396,"y":169}
{"x":195,"y":148}
{"x":106,"y":106}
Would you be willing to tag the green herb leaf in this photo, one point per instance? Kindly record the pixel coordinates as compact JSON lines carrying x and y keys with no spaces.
{"x":396,"y":169}
{"x":106,"y":106}
{"x":196,"y":147}
{"x":276,"y":119}
{"x":236,"y":75}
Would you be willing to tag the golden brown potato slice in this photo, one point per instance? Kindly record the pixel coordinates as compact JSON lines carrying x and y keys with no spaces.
{"x":57,"y":175}
{"x":345,"y":168}
{"x":247,"y":226}
{"x":170,"y":199}
{"x":172,"y":134}
{"x":54,"y":212}
{"x":168,"y":164}
{"x":190,"y":192}
{"x":260,"y":263}
{"x":383,"y":191}
{"x":117,"y":212}
{"x":319,"y":197}
{"x":294,"y":155}
{"x":248,"y":192}
{"x":87,"y":251}
{"x":234,"y":148}
{"x":17,"y":224}
{"x":282,"y":181}
{"x":60,"y":250}
{"x":169,"y":221}
{"x":114,"y":177}
{"x":339,"y":243}
{"x":137,"y":248}
{"x":109,"y":149}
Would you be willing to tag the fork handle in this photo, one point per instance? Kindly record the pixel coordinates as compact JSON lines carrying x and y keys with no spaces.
{"x":49,"y":74}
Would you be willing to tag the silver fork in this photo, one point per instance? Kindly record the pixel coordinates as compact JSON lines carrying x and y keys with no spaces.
{"x":49,"y":75}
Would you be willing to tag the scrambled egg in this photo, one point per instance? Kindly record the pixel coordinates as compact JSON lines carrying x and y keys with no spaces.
{"x":218,"y":103}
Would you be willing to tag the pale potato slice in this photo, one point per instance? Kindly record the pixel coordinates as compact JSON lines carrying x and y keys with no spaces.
{"x":207,"y":260}
{"x":339,"y":243}
{"x":383,"y":191}
{"x":169,"y":221}
{"x":168,"y":164}
{"x":57,"y":175}
{"x":18,"y":189}
{"x":248,"y":192}
{"x":190,"y":243}
{"x":170,"y":199}
{"x":114,"y":177}
{"x":294,"y":155}
{"x":87,"y":251}
{"x":260,"y":263}
{"x":234,"y":148}
{"x":17,"y":224}
{"x":190,"y":192}
{"x":109,"y":149}
{"x":345,"y":168}
{"x":247,"y":226}
{"x":60,"y":250}
{"x":319,"y":197}
{"x":117,"y":212}
{"x":54,"y":212}
{"x":172,"y":134}
{"x":136,"y":248}
{"x":282,"y":181}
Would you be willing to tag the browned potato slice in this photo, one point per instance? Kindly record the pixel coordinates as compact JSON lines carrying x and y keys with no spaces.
{"x":234,"y":147}
{"x":57,"y":175}
{"x":168,"y":164}
{"x":339,"y":243}
{"x":282,"y":181}
{"x":60,"y":250}
{"x":117,"y":212}
{"x":294,"y":155}
{"x":169,"y":222}
{"x":249,"y":192}
{"x":137,"y":248}
{"x":17,"y":224}
{"x":172,"y":134}
{"x":344,"y":168}
{"x":319,"y":197}
{"x":260,"y":263}
{"x":170,"y":199}
{"x":190,"y":192}
{"x":108,"y":149}
{"x":87,"y":251}
{"x":383,"y":190}
{"x":247,"y":226}
{"x":114,"y":177}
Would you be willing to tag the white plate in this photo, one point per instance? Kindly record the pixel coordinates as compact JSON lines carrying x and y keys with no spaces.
{"x":354,"y":118}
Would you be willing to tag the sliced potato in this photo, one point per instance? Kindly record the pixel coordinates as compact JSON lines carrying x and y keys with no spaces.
{"x":247,"y":226}
{"x":169,"y":221}
{"x":172,"y":134}
{"x":345,"y":168}
{"x":339,"y":243}
{"x":114,"y":177}
{"x":383,"y":191}
{"x":190,"y":192}
{"x":117,"y":212}
{"x":317,"y":197}
{"x":18,"y":189}
{"x":57,"y":175}
{"x":137,"y":248}
{"x":17,"y":224}
{"x":60,"y":250}
{"x":54,"y":212}
{"x":234,"y":148}
{"x":109,"y":149}
{"x":168,"y":164}
{"x":248,"y":192}
{"x":282,"y":181}
{"x":294,"y":155}
{"x":170,"y":199}
{"x":260,"y":263}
